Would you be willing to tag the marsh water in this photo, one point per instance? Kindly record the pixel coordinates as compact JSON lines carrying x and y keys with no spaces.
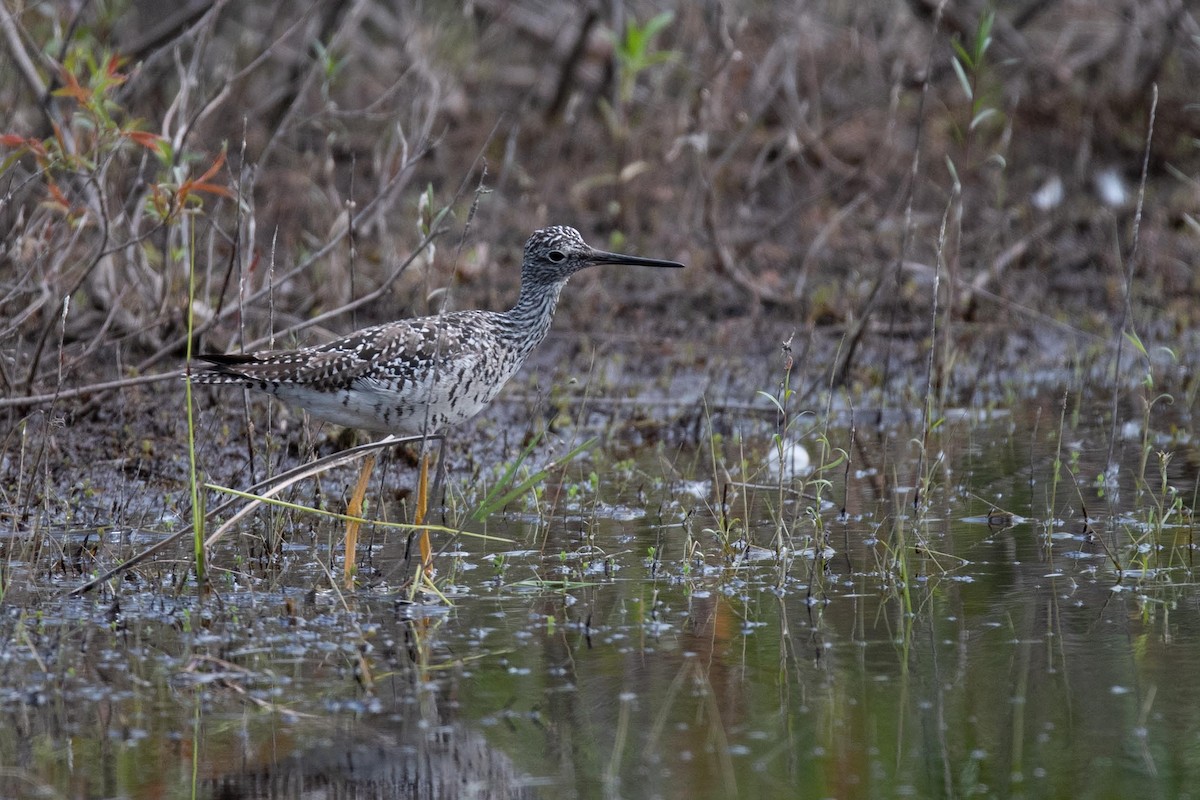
{"x":999,"y":603}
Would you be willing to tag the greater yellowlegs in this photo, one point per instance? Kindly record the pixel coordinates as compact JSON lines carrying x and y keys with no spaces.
{"x":419,"y":376}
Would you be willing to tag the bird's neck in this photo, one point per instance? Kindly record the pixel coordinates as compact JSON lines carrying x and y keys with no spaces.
{"x":529,"y":320}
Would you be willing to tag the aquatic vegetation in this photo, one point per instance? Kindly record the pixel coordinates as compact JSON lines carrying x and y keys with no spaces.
{"x":892,"y":495}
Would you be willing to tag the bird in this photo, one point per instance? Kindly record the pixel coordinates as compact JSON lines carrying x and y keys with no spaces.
{"x":423,"y":375}
{"x":426,"y":374}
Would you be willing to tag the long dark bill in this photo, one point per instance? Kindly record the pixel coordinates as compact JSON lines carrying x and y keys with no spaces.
{"x":602,"y":257}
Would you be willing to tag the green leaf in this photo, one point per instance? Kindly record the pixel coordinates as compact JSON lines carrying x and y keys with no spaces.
{"x":1136,"y":341}
{"x":504,"y":491}
{"x":983,"y":34}
{"x":963,"y":80}
{"x":981,"y":116}
{"x":658,"y":23}
{"x":774,"y":400}
{"x":953,"y":171}
{"x":1171,"y":354}
{"x":961,"y":52}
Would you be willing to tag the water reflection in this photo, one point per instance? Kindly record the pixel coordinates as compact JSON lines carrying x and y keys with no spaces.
{"x":870,"y":647}
{"x":387,"y":758}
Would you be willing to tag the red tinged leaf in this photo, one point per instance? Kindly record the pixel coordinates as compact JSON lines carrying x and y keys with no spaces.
{"x":159,"y":200}
{"x":12,"y":140}
{"x":113,"y":67}
{"x":202,"y":184}
{"x":214,"y":169}
{"x":144,"y":138}
{"x":57,"y":195}
{"x":211,"y":188}
{"x":72,"y":89}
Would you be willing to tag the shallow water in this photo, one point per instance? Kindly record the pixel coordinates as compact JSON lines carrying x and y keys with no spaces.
{"x":680,"y":623}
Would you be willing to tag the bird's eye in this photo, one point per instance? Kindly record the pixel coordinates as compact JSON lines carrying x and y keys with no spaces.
{"x":557,"y":256}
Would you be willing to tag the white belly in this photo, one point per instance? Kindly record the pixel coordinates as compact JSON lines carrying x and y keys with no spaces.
{"x":425,"y":406}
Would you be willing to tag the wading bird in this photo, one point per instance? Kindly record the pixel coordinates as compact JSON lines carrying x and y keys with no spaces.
{"x":420,"y":376}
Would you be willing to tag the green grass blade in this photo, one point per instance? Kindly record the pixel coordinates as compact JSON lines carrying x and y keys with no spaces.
{"x":494,"y":501}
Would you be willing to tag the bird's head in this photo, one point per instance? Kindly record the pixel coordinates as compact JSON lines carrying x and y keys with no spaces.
{"x":556,"y":253}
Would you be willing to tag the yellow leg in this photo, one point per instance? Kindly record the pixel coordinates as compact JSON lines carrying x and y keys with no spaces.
{"x":423,"y":543}
{"x":354,"y":509}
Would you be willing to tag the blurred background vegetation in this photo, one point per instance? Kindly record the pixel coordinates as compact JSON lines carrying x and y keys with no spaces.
{"x":817,"y":165}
